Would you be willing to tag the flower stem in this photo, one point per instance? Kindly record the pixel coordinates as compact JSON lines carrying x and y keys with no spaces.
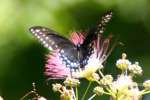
{"x":76,"y":93}
{"x":101,"y":73}
{"x":86,"y":90}
{"x":92,"y":97}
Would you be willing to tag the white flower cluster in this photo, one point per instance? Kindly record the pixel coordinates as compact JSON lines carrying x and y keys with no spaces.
{"x":124,"y":64}
{"x":66,"y":93}
{"x":121,"y":88}
{"x":124,"y":87}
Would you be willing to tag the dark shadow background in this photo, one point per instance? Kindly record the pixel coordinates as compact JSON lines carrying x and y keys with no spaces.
{"x":22,"y":58}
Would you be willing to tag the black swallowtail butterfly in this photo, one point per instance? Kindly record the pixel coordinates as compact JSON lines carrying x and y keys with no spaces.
{"x":74,"y":54}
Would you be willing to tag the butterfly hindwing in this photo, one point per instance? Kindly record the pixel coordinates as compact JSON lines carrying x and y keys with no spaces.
{"x":94,"y":37}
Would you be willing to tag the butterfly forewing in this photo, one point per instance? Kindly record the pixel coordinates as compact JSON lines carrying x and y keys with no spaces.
{"x":53,"y":41}
{"x":50,"y":38}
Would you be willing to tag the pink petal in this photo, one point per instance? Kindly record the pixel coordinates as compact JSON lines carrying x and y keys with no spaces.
{"x":54,"y":67}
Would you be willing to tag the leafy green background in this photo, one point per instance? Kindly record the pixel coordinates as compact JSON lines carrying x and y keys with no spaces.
{"x":22,"y":58}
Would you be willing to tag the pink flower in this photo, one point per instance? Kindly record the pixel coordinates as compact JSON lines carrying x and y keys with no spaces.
{"x":54,"y":67}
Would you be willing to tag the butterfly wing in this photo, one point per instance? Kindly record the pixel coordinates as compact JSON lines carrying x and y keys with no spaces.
{"x":95,"y":40}
{"x":49,"y":38}
{"x":68,"y":52}
{"x":98,"y":30}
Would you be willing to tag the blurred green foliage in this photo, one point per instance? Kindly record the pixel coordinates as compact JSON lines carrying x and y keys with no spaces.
{"x":22,"y":58}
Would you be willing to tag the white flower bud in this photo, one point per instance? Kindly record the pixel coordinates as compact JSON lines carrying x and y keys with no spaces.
{"x":98,"y":90}
{"x":135,"y":69}
{"x":1,"y":98}
{"x":71,"y":82}
{"x":106,"y":80}
{"x":123,"y":63}
{"x":146,"y":85}
{"x":56,"y":87}
{"x":42,"y":98}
